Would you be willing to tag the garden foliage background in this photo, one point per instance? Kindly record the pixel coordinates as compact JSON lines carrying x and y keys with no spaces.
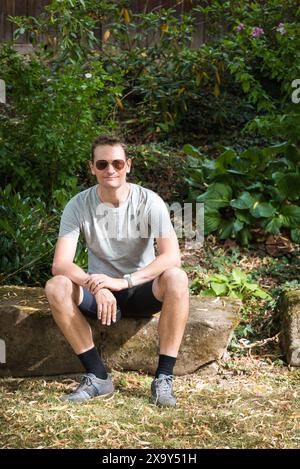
{"x":219,"y":123}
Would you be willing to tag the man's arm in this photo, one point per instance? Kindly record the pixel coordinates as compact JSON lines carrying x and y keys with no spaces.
{"x":169,"y":256}
{"x":63,"y":264}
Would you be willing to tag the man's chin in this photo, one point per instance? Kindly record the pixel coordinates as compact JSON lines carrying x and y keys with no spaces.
{"x":112,"y":183}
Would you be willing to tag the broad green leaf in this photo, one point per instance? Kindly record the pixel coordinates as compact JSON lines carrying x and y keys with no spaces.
{"x":289,"y":186}
{"x":251,"y":154}
{"x":292,"y":213}
{"x":262,"y":294}
{"x":277,"y":175}
{"x":239,"y":276}
{"x":273,"y":226}
{"x":208,"y":292}
{"x":225,"y":158}
{"x":219,"y":278}
{"x":243,"y":202}
{"x":295,"y":235}
{"x":274,"y":150}
{"x":196,"y":174}
{"x":191,"y":150}
{"x":251,"y":286}
{"x":262,"y":210}
{"x":226,"y":229}
{"x":212,"y":220}
{"x":244,"y":216}
{"x":292,"y":153}
{"x":219,"y":288}
{"x":237,"y":226}
{"x":217,"y":195}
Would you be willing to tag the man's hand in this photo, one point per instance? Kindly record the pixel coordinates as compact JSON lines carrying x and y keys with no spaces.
{"x":106,"y":306}
{"x":97,"y":282}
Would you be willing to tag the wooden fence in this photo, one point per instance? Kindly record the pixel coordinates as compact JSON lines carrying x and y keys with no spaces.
{"x":34,"y":8}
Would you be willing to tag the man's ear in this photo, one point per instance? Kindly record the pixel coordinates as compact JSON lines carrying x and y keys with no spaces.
{"x":90,"y":165}
{"x":129,"y":166}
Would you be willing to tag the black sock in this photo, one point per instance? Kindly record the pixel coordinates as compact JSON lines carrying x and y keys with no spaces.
{"x":92,"y":363}
{"x":165,"y":365}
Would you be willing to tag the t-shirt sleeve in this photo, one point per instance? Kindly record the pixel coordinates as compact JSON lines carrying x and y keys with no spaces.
{"x":159,"y":219}
{"x":70,"y":222}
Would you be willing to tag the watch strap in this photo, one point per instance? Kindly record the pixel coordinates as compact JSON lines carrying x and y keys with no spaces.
{"x":129,"y":280}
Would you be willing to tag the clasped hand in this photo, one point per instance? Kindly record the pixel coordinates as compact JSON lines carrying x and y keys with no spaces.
{"x":96,"y":282}
{"x":102,"y":286}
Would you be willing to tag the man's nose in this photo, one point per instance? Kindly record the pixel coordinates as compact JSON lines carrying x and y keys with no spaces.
{"x":110,"y":168}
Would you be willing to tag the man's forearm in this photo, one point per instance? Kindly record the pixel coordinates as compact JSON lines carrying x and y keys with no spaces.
{"x":155,"y":268}
{"x":72,"y":271}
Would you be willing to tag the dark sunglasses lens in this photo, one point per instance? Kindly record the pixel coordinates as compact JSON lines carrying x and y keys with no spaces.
{"x":101,"y":164}
{"x":118,"y":164}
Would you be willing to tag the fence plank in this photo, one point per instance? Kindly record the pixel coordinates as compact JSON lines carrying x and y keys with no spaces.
{"x":21,"y":10}
{"x":35,"y":7}
{"x":7,"y":8}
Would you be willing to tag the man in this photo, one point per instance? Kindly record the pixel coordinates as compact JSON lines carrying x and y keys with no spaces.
{"x":119,"y":221}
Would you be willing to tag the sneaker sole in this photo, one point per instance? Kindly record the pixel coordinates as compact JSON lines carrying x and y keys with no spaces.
{"x":100,"y":396}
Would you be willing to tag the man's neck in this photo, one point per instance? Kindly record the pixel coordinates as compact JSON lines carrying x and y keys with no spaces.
{"x":115,"y":197}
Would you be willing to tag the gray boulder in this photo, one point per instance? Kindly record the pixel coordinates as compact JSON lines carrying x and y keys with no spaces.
{"x":290,"y":326}
{"x":34,"y":345}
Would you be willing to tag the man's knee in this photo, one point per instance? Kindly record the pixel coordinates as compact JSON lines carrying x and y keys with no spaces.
{"x":58,"y":288}
{"x":175,"y":280}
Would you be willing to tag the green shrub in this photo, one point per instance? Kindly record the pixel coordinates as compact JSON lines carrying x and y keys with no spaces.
{"x":235,"y":285}
{"x":49,"y":122}
{"x":27,"y":239}
{"x":261,"y":43}
{"x":28,"y":234}
{"x":160,"y":167}
{"x":258,"y":187}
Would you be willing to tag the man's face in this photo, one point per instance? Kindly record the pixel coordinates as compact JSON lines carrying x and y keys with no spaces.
{"x":111,"y":176}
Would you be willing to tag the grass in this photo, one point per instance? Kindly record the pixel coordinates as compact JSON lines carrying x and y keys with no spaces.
{"x":249,"y":403}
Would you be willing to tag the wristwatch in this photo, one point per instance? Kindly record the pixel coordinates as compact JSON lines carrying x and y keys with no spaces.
{"x":129,"y":280}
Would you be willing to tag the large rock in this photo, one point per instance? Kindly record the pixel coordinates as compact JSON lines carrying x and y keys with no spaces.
{"x":290,"y":326}
{"x":35,"y":346}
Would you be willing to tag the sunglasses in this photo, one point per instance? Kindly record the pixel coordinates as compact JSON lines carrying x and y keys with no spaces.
{"x":117,"y":164}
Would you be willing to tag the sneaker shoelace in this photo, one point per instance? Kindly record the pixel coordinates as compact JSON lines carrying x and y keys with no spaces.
{"x":84,"y":381}
{"x":165,"y":383}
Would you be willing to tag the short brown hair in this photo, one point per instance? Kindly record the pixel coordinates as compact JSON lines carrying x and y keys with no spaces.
{"x":111,"y":140}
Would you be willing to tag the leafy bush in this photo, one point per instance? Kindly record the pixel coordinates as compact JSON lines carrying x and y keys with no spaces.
{"x":169,"y":85}
{"x":160,"y":167}
{"x":235,"y":285}
{"x":258,"y":187}
{"x":51,"y":117}
{"x":28,"y":233}
{"x":27,"y":239}
{"x":261,"y":42}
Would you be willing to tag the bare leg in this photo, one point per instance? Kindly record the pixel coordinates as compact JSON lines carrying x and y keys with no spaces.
{"x":172,"y":289}
{"x":64,"y":296}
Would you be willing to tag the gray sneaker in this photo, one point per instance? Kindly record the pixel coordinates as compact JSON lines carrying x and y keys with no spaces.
{"x":162,"y":391}
{"x":90,"y":386}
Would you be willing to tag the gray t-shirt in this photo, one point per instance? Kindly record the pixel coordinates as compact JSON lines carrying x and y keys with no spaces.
{"x":120,"y":240}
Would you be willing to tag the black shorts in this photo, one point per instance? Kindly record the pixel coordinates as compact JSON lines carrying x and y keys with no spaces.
{"x":137,"y":302}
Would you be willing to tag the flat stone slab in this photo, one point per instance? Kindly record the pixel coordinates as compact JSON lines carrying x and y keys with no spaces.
{"x":32,"y":345}
{"x":290,"y":326}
